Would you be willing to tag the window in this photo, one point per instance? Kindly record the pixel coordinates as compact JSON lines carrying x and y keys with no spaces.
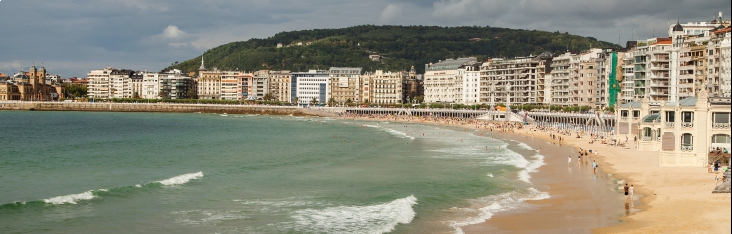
{"x":687,"y":141}
{"x":670,"y":116}
{"x":687,"y":116}
{"x":721,"y":138}
{"x":720,"y":117}
{"x":646,"y":132}
{"x":636,"y":114}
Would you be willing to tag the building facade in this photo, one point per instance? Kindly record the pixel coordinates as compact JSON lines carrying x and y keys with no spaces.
{"x":443,"y":80}
{"x":344,"y":85}
{"x":311,"y":86}
{"x":685,"y":133}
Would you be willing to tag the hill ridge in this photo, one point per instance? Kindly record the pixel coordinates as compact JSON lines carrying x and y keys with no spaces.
{"x":399,"y":47}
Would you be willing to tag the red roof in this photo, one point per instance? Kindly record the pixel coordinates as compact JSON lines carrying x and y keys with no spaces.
{"x":663,"y":40}
{"x":724,"y":30}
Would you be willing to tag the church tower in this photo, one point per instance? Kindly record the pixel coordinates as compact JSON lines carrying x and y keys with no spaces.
{"x":32,"y":78}
{"x":42,"y":74}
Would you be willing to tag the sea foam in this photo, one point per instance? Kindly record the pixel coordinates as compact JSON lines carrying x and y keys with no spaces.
{"x":181,"y":179}
{"x":484,"y":208}
{"x":70,"y":199}
{"x":398,"y":133}
{"x":379,"y":218}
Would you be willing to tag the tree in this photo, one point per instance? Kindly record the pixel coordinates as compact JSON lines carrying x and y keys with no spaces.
{"x":296,"y":100}
{"x":76,"y":91}
{"x":192,"y":94}
{"x":314,"y":101}
{"x":331,"y":101}
{"x":163,"y":94}
{"x":268,"y":97}
{"x":135,"y":95}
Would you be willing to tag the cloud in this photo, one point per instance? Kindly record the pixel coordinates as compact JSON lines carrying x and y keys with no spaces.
{"x":76,"y":36}
{"x":391,"y":12}
{"x":172,"y":32}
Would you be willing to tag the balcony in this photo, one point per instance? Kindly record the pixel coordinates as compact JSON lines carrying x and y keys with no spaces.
{"x":687,"y":148}
{"x":687,"y":124}
{"x":669,"y":124}
{"x":720,"y":125}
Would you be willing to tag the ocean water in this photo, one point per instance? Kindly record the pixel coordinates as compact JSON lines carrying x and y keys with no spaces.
{"x":90,"y":172}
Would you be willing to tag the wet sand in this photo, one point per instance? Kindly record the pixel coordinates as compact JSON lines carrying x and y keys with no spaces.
{"x":579,"y":202}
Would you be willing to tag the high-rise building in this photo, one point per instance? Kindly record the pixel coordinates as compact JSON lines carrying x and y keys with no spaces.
{"x":512,"y":81}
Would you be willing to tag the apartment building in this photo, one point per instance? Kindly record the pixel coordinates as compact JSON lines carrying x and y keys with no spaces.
{"x":386,"y":87}
{"x":511,"y":81}
{"x":175,"y":85}
{"x":470,"y":84}
{"x":562,"y":74}
{"x":230,"y":85}
{"x":260,"y":84}
{"x":345,"y":84}
{"x":279,"y":85}
{"x":150,"y":85}
{"x":208,"y":84}
{"x":243,"y":85}
{"x":443,"y":80}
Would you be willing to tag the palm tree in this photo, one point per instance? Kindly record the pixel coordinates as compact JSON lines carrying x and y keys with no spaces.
{"x":314,"y":101}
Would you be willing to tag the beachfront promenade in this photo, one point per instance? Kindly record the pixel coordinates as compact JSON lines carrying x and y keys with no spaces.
{"x":601,"y":120}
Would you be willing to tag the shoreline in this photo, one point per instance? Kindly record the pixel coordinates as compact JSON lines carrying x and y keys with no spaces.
{"x":565,"y":190}
{"x":673,"y":199}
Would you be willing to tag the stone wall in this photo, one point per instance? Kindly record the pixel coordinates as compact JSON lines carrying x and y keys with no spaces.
{"x":156,"y":107}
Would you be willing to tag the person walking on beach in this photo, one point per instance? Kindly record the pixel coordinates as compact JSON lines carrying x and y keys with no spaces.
{"x":626,"y":188}
{"x":579,"y":160}
{"x":594,"y":167}
{"x":630,"y":193}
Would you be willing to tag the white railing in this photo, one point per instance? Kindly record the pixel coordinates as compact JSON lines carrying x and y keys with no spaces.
{"x":670,"y":124}
{"x":687,"y":124}
{"x":646,"y":138}
{"x":687,"y":148}
{"x":720,"y":125}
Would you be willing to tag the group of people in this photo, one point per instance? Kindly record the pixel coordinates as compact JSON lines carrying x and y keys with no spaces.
{"x":628,"y":195}
{"x":583,"y":154}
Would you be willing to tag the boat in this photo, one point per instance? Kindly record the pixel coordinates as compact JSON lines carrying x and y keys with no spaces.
{"x":224,"y":114}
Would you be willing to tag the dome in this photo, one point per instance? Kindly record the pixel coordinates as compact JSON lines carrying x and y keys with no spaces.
{"x":678,"y":28}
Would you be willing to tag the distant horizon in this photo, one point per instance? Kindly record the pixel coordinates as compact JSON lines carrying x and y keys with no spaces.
{"x":72,"y":38}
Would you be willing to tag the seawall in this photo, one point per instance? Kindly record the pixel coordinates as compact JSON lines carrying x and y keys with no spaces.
{"x":161,"y":107}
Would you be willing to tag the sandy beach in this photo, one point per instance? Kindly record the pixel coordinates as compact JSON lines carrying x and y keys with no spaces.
{"x":668,"y":199}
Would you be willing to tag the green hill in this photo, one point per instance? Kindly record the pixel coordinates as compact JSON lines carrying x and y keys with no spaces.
{"x":400,"y":47}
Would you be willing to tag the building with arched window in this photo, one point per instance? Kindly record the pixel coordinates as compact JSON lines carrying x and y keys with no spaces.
{"x":694,"y":131}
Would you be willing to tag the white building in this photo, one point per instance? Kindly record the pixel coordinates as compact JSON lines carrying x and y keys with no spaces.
{"x":110,"y":83}
{"x":471,"y":85}
{"x":443,"y":80}
{"x":310,"y":85}
{"x":685,"y":133}
{"x":150,"y":85}
{"x":386,"y":87}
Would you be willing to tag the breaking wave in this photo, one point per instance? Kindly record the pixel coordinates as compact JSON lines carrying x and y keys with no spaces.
{"x":484,"y":208}
{"x":120,"y":191}
{"x":379,"y":218}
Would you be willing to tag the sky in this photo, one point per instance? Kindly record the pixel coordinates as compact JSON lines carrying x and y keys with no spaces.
{"x":72,"y":37}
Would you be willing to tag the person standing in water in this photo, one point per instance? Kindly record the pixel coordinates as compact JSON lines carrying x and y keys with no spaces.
{"x":594,"y":167}
{"x":625,"y":189}
{"x":569,"y":160}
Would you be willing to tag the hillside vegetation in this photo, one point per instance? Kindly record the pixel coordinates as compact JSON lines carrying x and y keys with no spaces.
{"x":400,"y":47}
